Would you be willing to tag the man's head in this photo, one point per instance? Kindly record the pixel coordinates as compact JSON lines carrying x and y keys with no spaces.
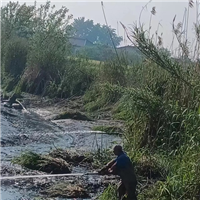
{"x":117,"y":150}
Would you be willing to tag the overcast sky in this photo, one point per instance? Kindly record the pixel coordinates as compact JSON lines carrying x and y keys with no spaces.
{"x":128,"y":12}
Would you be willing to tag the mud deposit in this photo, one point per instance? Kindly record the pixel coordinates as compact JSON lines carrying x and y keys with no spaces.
{"x":34,"y":131}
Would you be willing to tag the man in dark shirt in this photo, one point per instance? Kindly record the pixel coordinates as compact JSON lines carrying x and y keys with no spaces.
{"x":123,"y":167}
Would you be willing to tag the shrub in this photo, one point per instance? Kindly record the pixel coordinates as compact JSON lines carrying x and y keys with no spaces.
{"x":15,"y":56}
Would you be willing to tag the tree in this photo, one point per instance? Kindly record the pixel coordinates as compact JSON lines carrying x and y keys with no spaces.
{"x":35,"y":43}
{"x":95,"y":33}
{"x":48,"y":47}
{"x":17,"y":20}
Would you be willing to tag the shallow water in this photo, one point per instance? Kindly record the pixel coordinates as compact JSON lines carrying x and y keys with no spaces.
{"x":29,"y":132}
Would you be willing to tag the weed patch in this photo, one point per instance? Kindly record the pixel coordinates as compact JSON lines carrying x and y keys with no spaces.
{"x":43,"y":163}
{"x":70,"y":114}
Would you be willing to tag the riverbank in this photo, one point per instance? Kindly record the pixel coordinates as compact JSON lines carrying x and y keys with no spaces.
{"x":36,"y":130}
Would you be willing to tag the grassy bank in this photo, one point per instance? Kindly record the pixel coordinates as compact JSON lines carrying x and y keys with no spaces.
{"x":158,"y":99}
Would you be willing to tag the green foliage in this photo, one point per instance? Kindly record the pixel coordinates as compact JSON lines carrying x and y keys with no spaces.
{"x":102,"y":95}
{"x":161,"y":58}
{"x":182,"y":181}
{"x":113,"y":72}
{"x":28,"y":159}
{"x":15,"y":56}
{"x":44,"y":51}
{"x":163,"y":122}
{"x":97,"y":52}
{"x":105,"y":91}
{"x":95,"y":33}
{"x":109,"y":193}
{"x":17,"y":20}
{"x":131,"y":54}
{"x":48,"y":48}
{"x":160,"y":104}
{"x":44,"y":163}
{"x":75,"y":79}
{"x":2,"y":47}
{"x":16,"y":25}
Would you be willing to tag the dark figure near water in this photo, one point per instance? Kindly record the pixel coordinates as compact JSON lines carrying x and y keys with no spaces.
{"x":123,"y":167}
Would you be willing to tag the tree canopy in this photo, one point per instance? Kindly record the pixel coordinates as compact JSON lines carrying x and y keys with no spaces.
{"x":95,"y":33}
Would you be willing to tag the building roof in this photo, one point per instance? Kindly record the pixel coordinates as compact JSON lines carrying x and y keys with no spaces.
{"x":80,"y":42}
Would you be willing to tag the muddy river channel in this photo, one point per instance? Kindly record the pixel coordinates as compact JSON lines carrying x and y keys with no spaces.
{"x":33,"y":130}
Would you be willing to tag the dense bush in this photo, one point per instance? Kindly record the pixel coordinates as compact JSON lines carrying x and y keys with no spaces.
{"x":42,"y":48}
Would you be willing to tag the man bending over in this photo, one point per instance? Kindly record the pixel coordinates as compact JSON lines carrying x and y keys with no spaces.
{"x":123,"y":167}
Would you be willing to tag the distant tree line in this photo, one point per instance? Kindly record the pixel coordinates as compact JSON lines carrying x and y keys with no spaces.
{"x":96,"y":33}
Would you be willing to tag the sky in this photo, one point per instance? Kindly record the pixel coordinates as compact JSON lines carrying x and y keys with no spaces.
{"x":128,"y":13}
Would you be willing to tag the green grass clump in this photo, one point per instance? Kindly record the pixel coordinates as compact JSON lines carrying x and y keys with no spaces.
{"x":109,"y":193}
{"x":44,"y":163}
{"x":102,"y":95}
{"x":28,"y":159}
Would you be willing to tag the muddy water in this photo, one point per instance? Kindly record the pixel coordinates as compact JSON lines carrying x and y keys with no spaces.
{"x":22,"y":131}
